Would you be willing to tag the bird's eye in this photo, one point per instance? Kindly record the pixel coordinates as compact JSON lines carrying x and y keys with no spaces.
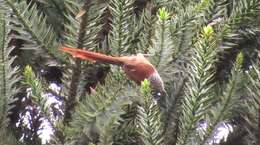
{"x":159,"y":94}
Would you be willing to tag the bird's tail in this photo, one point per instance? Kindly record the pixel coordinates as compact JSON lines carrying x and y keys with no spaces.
{"x":91,"y":56}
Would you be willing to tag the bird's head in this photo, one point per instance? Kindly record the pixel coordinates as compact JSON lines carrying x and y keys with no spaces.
{"x":158,"y":93}
{"x":157,"y":85}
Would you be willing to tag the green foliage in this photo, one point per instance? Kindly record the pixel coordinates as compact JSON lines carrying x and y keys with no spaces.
{"x":54,"y":11}
{"x":163,"y":14}
{"x":145,"y":28}
{"x":250,"y":114}
{"x":162,"y":48}
{"x":242,"y":11}
{"x":8,"y":85}
{"x":36,"y":90}
{"x":185,"y":24}
{"x":8,"y":139}
{"x":206,"y":52}
{"x":199,"y":89}
{"x":80,"y":33}
{"x":102,"y":104}
{"x":31,"y":27}
{"x":149,"y":117}
{"x":229,"y":100}
{"x":122,"y":12}
{"x":241,"y":15}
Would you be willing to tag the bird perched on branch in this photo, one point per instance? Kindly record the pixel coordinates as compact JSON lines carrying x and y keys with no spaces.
{"x":136,"y":67}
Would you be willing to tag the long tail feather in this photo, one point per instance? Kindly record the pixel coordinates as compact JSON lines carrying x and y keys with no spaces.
{"x":92,"y":56}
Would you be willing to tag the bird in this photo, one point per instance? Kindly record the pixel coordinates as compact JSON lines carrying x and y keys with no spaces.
{"x":136,"y":67}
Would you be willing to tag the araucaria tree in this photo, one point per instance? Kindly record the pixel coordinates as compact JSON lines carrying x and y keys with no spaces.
{"x":206,"y":52}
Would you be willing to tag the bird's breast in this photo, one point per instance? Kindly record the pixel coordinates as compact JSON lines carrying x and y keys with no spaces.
{"x":138,"y":71}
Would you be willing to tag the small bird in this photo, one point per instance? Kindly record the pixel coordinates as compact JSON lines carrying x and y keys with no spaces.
{"x":136,"y":67}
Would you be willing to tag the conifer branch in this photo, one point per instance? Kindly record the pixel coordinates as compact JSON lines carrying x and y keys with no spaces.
{"x":122,"y":12}
{"x":145,"y":28}
{"x":127,"y":132}
{"x":76,"y":71}
{"x":106,"y":135}
{"x":228,"y":100}
{"x":8,"y":75}
{"x":199,"y":93}
{"x":172,"y":119}
{"x":254,"y":77}
{"x":185,"y":25}
{"x":36,"y":90}
{"x":162,"y":49}
{"x":250,"y":114}
{"x":149,"y":118}
{"x":241,"y":13}
{"x":33,"y":29}
{"x":98,"y":114}
{"x":81,"y":33}
{"x":8,"y":88}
